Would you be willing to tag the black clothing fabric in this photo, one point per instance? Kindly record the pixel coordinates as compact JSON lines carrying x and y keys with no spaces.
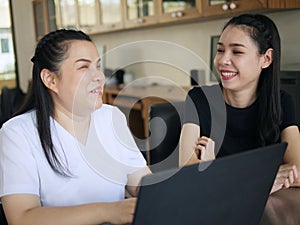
{"x":233,"y":129}
{"x":10,"y":101}
{"x":2,"y":216}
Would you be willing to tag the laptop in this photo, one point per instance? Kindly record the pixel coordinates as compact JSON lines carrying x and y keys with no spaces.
{"x":232,"y":190}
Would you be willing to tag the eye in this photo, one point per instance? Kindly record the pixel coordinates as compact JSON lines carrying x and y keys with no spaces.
{"x":237,"y":52}
{"x":220,"y":50}
{"x":83,"y":67}
{"x":98,"y":66}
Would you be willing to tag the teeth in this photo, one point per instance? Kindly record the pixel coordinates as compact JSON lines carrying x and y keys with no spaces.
{"x":227,"y":74}
{"x":95,"y":91}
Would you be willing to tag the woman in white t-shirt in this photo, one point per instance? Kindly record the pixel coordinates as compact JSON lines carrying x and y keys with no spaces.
{"x":66,"y":158}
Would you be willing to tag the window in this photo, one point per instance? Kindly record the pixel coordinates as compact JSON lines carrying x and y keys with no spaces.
{"x":7,"y":54}
{"x":4,"y":45}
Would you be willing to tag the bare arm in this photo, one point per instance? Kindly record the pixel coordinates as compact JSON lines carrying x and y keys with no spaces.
{"x":188,"y":137}
{"x":288,"y":174}
{"x":291,"y":135}
{"x":25,"y":209}
{"x":134,"y":180}
{"x":194,"y":148}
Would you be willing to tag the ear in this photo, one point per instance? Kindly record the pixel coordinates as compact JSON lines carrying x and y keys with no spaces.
{"x":49,"y":79}
{"x":267,"y":58}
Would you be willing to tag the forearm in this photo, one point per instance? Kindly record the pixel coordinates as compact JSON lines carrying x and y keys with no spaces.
{"x":88,"y":214}
{"x":134,"y":180}
{"x":288,"y":173}
{"x":291,"y":135}
{"x":188,"y":137}
{"x":25,"y":209}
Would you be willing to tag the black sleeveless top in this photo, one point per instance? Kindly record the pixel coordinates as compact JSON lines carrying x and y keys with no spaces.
{"x":233,"y":129}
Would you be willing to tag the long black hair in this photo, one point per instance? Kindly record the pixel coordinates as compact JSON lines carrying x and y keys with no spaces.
{"x":50,"y":51}
{"x":263,"y":31}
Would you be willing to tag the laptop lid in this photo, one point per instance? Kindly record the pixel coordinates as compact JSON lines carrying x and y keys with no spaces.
{"x":232,"y":190}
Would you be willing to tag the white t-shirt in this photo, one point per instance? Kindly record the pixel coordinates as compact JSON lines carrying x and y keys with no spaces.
{"x":98,"y":170}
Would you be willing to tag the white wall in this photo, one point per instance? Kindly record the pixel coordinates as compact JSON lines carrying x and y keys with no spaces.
{"x":179,"y":50}
{"x":195,"y":37}
{"x":25,"y":38}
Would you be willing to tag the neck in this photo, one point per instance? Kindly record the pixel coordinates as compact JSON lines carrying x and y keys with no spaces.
{"x":239,"y":99}
{"x":77,"y":126}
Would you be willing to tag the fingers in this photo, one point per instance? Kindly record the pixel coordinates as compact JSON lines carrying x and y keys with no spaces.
{"x":209,"y":151}
{"x":289,"y":172}
{"x":200,"y":145}
{"x":286,"y":168}
{"x":204,"y":149}
{"x":198,"y":149}
{"x":203,"y":140}
{"x":276,"y":187}
{"x":286,"y":177}
{"x":296,"y":183}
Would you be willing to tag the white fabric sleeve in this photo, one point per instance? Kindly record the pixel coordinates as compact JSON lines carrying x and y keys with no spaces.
{"x":130,"y":150}
{"x":18,"y":171}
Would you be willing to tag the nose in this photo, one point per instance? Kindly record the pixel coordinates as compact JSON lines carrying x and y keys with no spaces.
{"x":97,"y":75}
{"x":225,"y":59}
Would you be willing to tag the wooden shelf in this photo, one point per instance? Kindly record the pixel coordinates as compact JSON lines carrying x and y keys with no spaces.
{"x":48,"y":14}
{"x":135,"y":102}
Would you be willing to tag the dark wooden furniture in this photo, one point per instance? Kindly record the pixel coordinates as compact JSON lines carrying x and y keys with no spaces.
{"x":135,"y":102}
{"x":283,"y":208}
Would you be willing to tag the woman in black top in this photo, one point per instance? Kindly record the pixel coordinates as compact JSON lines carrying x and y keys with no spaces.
{"x":247,"y":109}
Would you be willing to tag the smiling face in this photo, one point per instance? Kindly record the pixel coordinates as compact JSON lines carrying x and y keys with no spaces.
{"x":238,"y":61}
{"x":78,"y":88}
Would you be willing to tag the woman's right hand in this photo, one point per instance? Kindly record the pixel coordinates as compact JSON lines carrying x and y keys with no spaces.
{"x":121,"y":212}
{"x":205,"y":149}
{"x":287,"y":176}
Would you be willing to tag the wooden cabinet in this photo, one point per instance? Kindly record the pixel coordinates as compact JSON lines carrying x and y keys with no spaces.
{"x":223,"y":7}
{"x":44,"y":17}
{"x":111,"y":14}
{"x":67,"y":14}
{"x":140,"y":13}
{"x":98,"y":16}
{"x":174,"y":11}
{"x":92,"y":16}
{"x":283,"y":4}
{"x":108,"y":16}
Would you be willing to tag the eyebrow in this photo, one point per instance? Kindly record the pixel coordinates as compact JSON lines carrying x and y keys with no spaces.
{"x":233,"y":45}
{"x":87,"y":60}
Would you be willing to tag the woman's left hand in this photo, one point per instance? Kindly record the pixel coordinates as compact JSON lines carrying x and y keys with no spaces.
{"x":287,"y":176}
{"x":205,"y":149}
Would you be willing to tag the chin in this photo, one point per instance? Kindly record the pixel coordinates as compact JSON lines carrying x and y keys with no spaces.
{"x":98,"y":105}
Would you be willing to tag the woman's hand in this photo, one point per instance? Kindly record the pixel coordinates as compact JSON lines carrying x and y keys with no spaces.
{"x":287,"y":176}
{"x":205,"y":149}
{"x":121,"y":212}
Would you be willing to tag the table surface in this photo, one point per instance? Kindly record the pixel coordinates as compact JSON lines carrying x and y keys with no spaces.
{"x":283,"y":208}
